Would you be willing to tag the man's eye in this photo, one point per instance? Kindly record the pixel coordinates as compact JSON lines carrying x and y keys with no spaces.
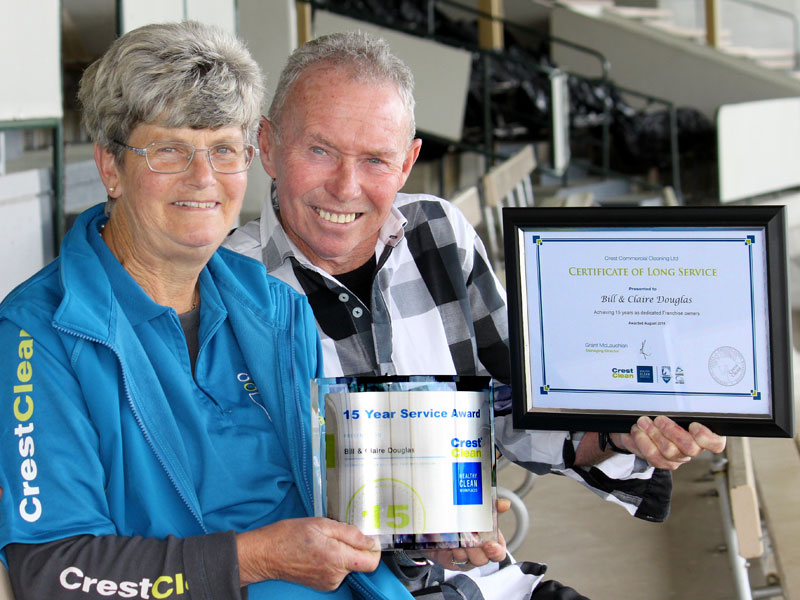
{"x":318,"y":150}
{"x":375,"y":161}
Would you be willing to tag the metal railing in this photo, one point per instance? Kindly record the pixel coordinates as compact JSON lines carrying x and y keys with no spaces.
{"x":674,"y":150}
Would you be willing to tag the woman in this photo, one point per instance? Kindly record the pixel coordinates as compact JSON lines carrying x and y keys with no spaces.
{"x":155,"y":442}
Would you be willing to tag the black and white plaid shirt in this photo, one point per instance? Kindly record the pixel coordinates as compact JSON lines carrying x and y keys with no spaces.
{"x":437,"y":308}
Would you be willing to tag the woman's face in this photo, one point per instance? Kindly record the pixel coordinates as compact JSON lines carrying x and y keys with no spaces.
{"x":169,"y":215}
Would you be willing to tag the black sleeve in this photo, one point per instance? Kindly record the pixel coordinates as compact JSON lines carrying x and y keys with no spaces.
{"x":87,"y":567}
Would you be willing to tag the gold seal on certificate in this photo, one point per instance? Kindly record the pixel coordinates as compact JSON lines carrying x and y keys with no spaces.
{"x":409,"y":460}
{"x":617,"y":313}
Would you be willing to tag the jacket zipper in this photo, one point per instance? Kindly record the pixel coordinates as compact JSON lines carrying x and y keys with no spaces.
{"x":366,"y":591}
{"x":139,"y":422}
{"x":299,"y":408}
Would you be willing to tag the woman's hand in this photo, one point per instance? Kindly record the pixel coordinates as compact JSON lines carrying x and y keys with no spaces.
{"x":312,"y":551}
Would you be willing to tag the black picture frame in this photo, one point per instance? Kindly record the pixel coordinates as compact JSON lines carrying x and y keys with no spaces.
{"x":530,"y":390}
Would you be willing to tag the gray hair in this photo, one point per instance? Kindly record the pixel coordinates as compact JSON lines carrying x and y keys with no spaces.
{"x":366,"y":58}
{"x":173,"y":75}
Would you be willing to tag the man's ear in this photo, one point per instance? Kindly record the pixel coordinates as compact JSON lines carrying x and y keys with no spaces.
{"x":109,"y":171}
{"x":411,"y":157}
{"x":266,"y":146}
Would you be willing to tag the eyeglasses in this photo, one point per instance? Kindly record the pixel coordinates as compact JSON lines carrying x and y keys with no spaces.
{"x":175,"y":157}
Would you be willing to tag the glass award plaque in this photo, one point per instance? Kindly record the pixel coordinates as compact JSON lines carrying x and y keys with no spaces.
{"x":409,"y":460}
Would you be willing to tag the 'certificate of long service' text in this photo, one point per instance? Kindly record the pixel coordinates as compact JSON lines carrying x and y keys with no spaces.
{"x":647,"y":320}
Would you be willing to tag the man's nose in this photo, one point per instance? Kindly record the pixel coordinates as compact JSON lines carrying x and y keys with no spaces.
{"x":344,"y":185}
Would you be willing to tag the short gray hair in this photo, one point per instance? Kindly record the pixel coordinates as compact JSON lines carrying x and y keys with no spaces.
{"x":173,"y":75}
{"x":364,"y":57}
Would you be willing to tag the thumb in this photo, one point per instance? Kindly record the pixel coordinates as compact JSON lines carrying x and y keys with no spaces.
{"x":350,"y":535}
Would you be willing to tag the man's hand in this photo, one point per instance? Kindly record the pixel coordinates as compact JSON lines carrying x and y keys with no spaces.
{"x":464,"y":559}
{"x":665,"y":444}
{"x":313,"y":551}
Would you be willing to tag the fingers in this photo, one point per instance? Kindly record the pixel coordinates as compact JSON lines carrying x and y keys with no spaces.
{"x":655,"y":447}
{"x":359,"y":552}
{"x":673,"y":439}
{"x":707,"y":439}
{"x":667,"y":445}
{"x":495,"y":551}
{"x":352,"y":536}
{"x":464,"y":559}
{"x":314,"y":552}
{"x":503,"y":504}
{"x":460,"y":560}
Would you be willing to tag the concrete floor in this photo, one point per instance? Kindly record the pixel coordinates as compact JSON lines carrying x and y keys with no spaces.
{"x":604,"y":553}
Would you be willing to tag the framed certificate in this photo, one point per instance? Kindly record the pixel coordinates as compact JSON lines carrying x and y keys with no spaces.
{"x":620,"y":312}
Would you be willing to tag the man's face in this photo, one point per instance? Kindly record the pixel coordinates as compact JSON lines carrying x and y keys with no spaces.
{"x":342,"y":156}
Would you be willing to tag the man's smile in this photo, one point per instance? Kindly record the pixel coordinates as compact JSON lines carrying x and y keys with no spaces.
{"x":337,"y":217}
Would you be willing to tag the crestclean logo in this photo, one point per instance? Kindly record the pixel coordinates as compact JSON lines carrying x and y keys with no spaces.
{"x":72,"y":578}
{"x":30,"y":507}
{"x":618,"y":373}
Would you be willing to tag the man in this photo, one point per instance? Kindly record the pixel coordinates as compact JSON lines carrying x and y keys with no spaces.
{"x":401,"y":284}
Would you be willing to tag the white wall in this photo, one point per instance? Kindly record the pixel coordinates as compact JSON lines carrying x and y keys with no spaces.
{"x":758,"y":148}
{"x":441,"y":73}
{"x":653,"y":62}
{"x":25,"y":226}
{"x":30,"y":60}
{"x":135,"y":13}
{"x":270,"y":31}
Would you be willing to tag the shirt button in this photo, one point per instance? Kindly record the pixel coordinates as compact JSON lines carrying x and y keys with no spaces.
{"x":343,"y":297}
{"x":357,"y":312}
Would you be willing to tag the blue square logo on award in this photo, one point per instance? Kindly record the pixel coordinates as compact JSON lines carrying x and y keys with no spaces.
{"x":644,"y":374}
{"x":467,"y":484}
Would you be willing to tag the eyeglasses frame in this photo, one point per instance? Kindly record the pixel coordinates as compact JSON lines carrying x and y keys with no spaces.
{"x":143,"y":152}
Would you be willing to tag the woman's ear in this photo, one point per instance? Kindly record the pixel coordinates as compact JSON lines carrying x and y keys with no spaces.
{"x":109,"y":170}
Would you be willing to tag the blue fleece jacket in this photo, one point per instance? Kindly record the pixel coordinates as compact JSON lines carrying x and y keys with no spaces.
{"x":90,"y":442}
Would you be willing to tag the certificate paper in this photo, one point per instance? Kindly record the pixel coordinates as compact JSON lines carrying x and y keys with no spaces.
{"x":413,"y":467}
{"x":633,"y":320}
{"x":648,"y":321}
